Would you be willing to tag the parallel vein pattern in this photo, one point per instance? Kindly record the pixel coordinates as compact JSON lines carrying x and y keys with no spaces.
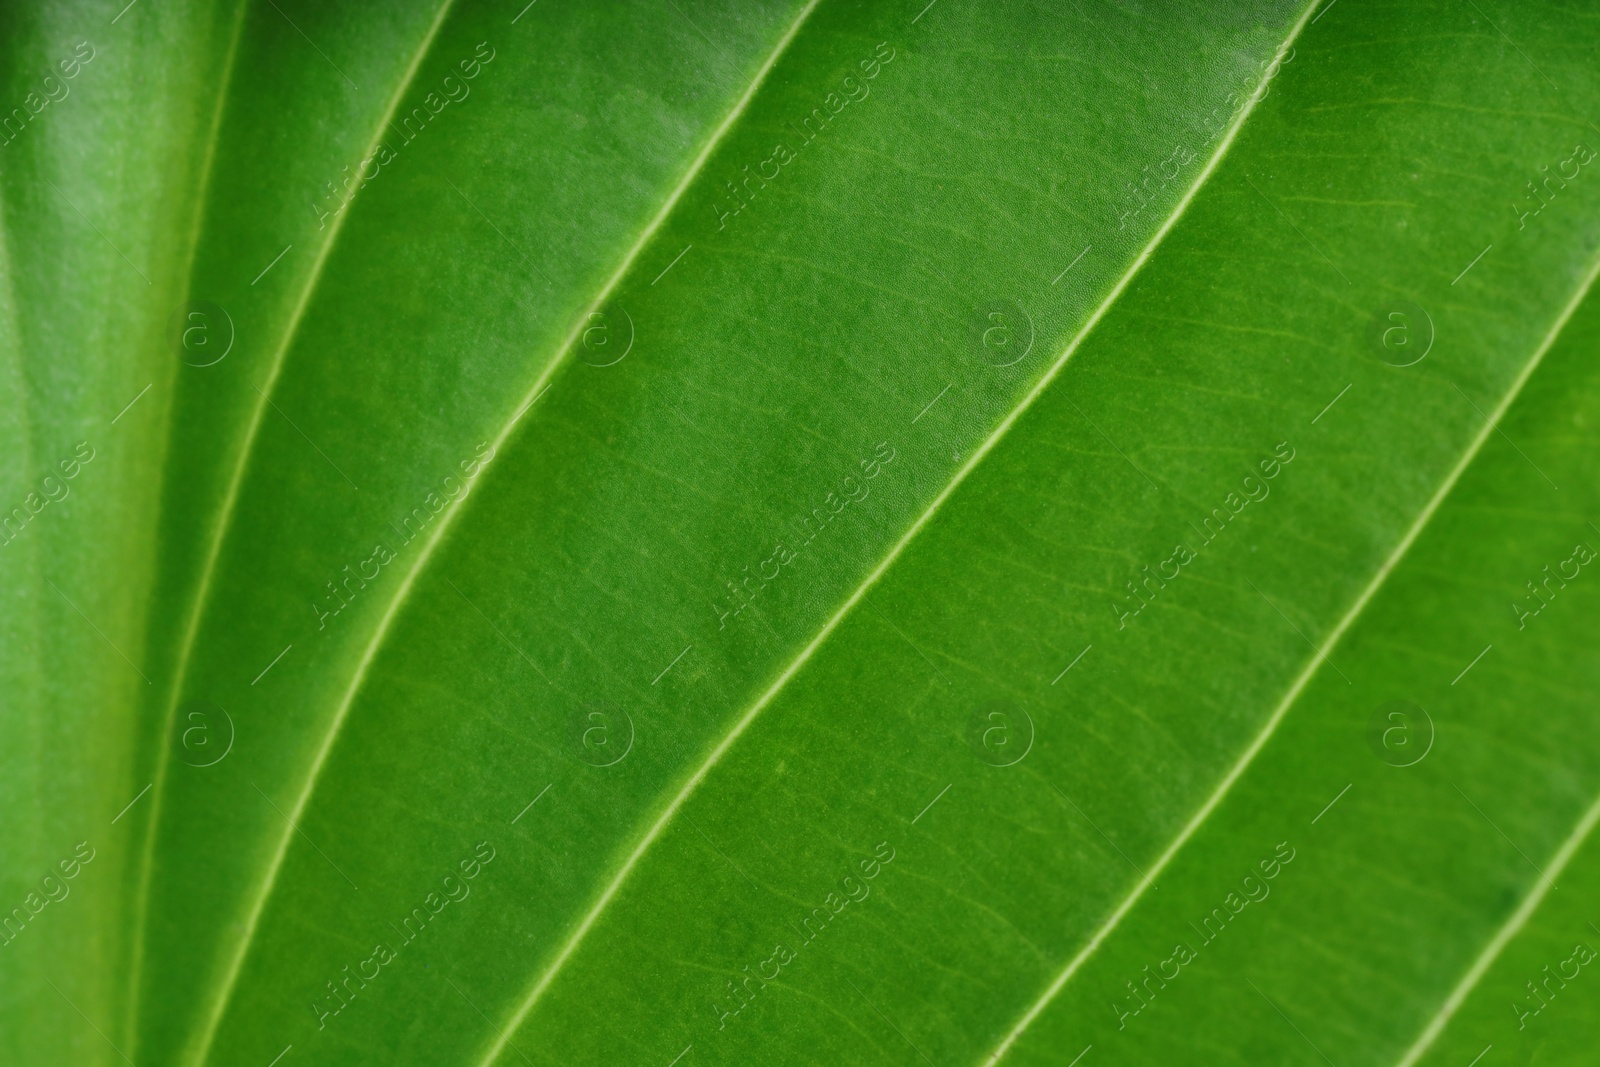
{"x":990,"y":539}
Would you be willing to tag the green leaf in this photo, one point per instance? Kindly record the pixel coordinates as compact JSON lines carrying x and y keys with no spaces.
{"x":801,"y":532}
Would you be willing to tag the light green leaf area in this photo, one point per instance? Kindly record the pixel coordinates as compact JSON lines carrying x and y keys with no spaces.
{"x":708,"y":533}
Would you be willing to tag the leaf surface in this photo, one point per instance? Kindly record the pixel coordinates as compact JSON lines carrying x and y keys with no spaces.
{"x":813,"y":531}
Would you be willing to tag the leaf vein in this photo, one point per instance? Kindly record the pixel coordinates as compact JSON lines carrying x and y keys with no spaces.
{"x":141,"y":901}
{"x":714,"y":757}
{"x":1312,"y":664}
{"x":202,"y":595}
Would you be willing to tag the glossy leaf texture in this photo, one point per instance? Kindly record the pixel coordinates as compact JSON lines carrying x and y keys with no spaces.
{"x":705,"y":533}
